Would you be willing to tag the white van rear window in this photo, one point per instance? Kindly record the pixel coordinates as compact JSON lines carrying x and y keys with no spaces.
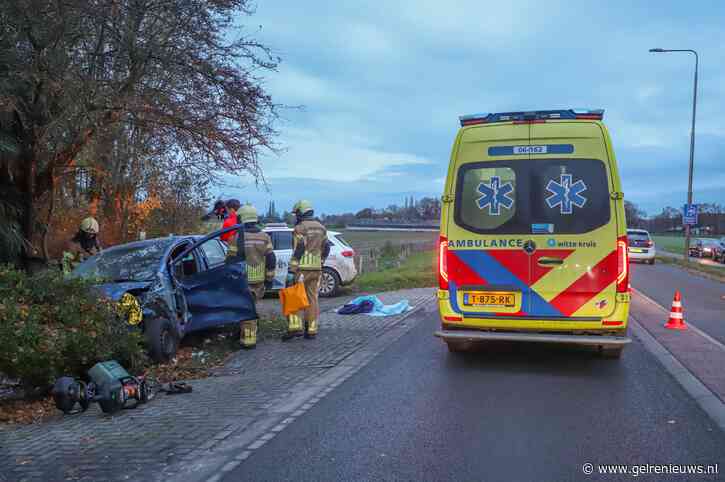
{"x":568,"y":196}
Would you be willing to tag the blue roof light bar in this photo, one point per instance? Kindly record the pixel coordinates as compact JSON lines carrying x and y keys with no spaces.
{"x":532,"y":116}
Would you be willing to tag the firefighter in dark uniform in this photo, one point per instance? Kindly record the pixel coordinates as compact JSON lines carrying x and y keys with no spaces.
{"x":310,"y":250}
{"x":261,"y":264}
{"x":83,"y":245}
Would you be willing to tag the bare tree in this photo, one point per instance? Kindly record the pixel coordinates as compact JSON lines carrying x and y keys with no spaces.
{"x":78,"y":77}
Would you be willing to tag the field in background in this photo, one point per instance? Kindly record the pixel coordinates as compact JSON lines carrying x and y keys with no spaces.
{"x":417,"y":271}
{"x":376,"y":251}
{"x":361,"y":240}
{"x":673,"y":244}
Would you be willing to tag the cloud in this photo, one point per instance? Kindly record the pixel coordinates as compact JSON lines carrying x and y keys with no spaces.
{"x":332,"y":154}
{"x":382,"y":89}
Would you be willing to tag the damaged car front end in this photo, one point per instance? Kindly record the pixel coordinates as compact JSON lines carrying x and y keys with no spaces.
{"x":168,"y":287}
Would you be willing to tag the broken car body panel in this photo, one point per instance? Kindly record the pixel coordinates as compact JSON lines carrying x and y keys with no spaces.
{"x":174,"y":278}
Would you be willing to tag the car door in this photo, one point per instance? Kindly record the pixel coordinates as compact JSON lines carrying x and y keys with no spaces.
{"x":487,"y":267}
{"x":575,"y":273}
{"x":282,"y":243}
{"x":216,"y":292}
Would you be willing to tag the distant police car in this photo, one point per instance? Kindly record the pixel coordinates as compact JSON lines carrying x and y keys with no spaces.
{"x":641,"y":246}
{"x":533,"y":242}
{"x":339,"y":269}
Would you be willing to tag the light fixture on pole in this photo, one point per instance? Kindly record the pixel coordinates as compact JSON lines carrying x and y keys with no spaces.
{"x":692,"y":140}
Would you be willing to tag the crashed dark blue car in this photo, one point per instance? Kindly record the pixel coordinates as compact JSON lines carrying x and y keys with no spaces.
{"x":174,"y":285}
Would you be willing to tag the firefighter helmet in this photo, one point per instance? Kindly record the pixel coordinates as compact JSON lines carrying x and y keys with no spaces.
{"x":89,"y":225}
{"x":302,"y":207}
{"x":248,"y":214}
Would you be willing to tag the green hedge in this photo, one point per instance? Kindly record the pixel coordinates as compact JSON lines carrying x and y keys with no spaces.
{"x":51,"y":326}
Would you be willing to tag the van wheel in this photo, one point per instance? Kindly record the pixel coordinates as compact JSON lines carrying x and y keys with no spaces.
{"x":613,"y":353}
{"x":459,"y":346}
{"x":161,"y":339}
{"x":329,"y":283}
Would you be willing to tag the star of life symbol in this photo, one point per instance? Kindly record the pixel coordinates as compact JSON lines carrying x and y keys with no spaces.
{"x":566,"y":194}
{"x":495,"y":195}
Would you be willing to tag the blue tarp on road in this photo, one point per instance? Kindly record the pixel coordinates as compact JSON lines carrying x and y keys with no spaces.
{"x":380,"y":309}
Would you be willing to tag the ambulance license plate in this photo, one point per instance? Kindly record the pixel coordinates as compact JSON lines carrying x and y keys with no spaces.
{"x":489,"y":298}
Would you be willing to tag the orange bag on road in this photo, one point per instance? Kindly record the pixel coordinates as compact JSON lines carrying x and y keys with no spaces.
{"x":293,"y":299}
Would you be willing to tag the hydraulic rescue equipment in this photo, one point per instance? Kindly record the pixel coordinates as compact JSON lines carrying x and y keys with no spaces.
{"x":110,"y":385}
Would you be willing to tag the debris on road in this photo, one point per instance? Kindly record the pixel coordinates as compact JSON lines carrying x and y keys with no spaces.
{"x":372,"y":306}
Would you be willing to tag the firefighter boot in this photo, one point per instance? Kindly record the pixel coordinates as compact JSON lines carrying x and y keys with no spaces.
{"x":294,"y":327}
{"x":310,"y":329}
{"x":248,"y":335}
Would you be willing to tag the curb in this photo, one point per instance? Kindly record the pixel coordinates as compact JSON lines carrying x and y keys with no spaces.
{"x":705,"y":398}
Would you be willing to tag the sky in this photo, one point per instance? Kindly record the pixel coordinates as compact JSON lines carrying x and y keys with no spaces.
{"x":380,"y":87}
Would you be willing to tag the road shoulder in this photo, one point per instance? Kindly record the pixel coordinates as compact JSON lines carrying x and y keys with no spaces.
{"x":692,"y":357}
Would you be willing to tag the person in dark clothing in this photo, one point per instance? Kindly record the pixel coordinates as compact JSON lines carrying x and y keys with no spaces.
{"x":84,"y":244}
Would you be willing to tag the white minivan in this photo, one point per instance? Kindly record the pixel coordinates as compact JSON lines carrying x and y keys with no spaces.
{"x":339,"y":269}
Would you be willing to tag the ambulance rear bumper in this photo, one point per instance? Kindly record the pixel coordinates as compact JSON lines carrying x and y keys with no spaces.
{"x":475,"y":335}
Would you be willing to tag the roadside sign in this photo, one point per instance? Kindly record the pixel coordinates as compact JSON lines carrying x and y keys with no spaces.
{"x":689,"y":214}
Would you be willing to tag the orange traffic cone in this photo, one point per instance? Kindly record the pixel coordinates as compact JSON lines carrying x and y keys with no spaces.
{"x":677,"y":319}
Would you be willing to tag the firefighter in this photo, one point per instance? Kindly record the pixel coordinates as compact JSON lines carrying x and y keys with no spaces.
{"x":261,"y":264}
{"x":84,"y":244}
{"x":310,"y":250}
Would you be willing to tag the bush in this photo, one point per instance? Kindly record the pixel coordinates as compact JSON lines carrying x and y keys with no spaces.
{"x":51,"y":326}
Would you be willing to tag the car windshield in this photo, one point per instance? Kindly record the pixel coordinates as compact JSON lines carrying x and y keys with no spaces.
{"x":518,"y":197}
{"x":637,"y":236}
{"x":709,"y":242}
{"x":125,"y":263}
{"x":342,"y":241}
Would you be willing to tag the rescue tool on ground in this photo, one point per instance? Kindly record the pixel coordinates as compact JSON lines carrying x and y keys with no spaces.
{"x":533,"y":243}
{"x":110,"y":385}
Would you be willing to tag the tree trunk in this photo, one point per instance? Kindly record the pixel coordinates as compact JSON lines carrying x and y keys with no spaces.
{"x":46,"y":229}
{"x":27,"y":187}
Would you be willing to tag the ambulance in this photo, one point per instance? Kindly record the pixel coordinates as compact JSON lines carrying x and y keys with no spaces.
{"x":533,"y":242}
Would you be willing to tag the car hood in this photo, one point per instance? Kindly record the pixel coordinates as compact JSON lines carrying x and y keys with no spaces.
{"x":114,"y":291}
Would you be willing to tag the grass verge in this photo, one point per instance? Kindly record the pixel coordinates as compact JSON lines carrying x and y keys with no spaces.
{"x":675,"y":244}
{"x":418,"y":271}
{"x":710,"y":272}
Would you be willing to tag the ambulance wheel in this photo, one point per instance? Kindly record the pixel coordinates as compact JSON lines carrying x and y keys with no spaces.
{"x":613,"y":353}
{"x":458,"y":346}
{"x":161,"y":339}
{"x":329,"y":283}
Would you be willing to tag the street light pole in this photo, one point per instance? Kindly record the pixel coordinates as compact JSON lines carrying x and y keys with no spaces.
{"x":692,"y":141}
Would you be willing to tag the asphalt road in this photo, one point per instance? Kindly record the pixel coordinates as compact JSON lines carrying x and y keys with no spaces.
{"x":702,"y":299}
{"x":511,"y":412}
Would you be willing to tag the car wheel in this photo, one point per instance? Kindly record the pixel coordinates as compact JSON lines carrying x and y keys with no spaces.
{"x":329,"y":283}
{"x":651,"y":261}
{"x":614,"y":353}
{"x":161,"y":338}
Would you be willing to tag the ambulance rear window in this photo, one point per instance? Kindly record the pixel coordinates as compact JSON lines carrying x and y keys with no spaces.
{"x":536,"y":196}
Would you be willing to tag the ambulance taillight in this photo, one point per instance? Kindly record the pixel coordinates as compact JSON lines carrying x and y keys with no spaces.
{"x":443,"y":263}
{"x":622,"y":265}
